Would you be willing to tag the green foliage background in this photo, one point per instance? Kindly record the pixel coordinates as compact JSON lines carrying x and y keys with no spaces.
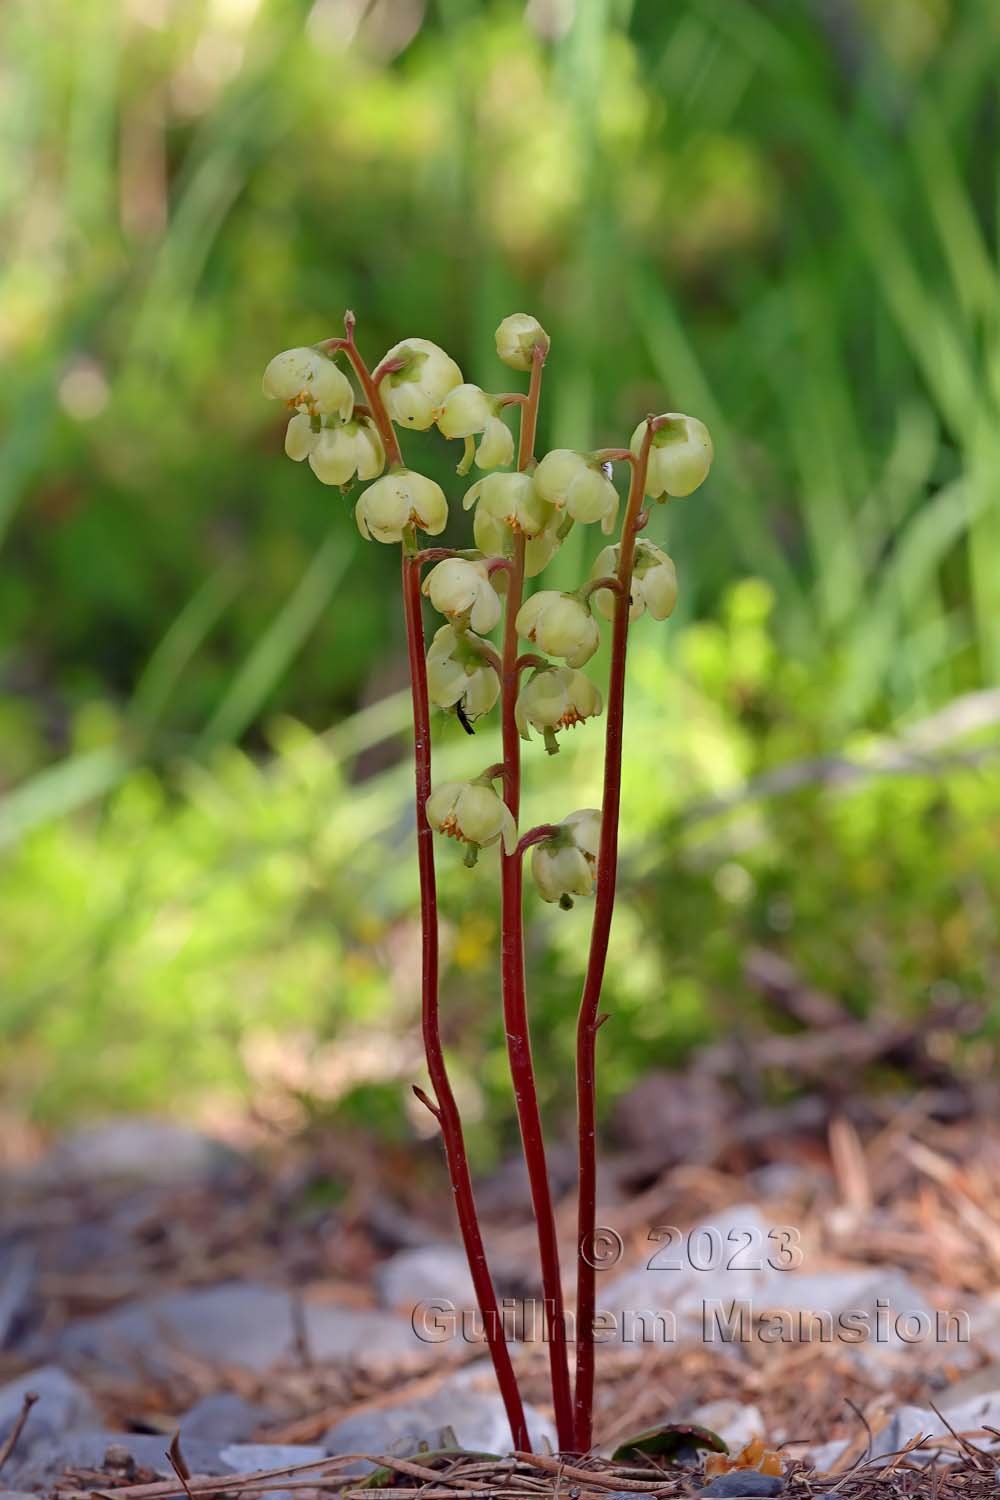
{"x":779,"y":215}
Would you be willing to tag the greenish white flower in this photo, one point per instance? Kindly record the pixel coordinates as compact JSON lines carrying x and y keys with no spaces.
{"x":560,"y":625}
{"x":339,"y":453}
{"x":512,"y":500}
{"x":458,"y":676}
{"x":493,"y":538}
{"x":579,"y":485}
{"x":565,"y":865}
{"x":468,"y":410}
{"x":653,"y":587}
{"x":472,"y":812}
{"x":462,"y":590}
{"x":516,"y":339}
{"x":555,"y":698}
{"x":309,"y":381}
{"x":680,"y":456}
{"x":413,"y":393}
{"x":398,"y":500}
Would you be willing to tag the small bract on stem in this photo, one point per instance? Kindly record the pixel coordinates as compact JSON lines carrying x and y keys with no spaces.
{"x":522,"y":516}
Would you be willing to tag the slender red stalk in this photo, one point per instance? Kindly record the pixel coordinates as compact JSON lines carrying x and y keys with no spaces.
{"x":446,"y":1107}
{"x":443,"y":1106}
{"x":589,"y":1021}
{"x":512,"y":968}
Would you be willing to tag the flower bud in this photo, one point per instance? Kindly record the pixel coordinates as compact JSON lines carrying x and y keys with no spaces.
{"x":472,"y":812}
{"x":512,"y":500}
{"x":561,"y":625}
{"x":309,"y":381}
{"x":338,"y":453}
{"x":413,"y":393}
{"x":555,"y":698}
{"x":400,"y":499}
{"x":565,"y":865}
{"x":462,"y":590}
{"x":458,"y":676}
{"x":653,"y":587}
{"x":680,"y":456}
{"x":516,"y":339}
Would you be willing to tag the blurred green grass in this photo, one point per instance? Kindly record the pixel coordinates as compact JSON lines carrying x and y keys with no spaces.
{"x":781,"y":216}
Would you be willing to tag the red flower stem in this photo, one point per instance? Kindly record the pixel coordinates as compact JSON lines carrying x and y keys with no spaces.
{"x":589,"y":1021}
{"x":512,"y":966}
{"x":447,"y":1109}
{"x":443,"y":1107}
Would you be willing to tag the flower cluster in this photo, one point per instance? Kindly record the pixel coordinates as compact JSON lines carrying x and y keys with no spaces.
{"x":521,"y":513}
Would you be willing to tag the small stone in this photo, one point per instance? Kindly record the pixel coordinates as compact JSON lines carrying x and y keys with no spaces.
{"x":119,"y":1452}
{"x":244,"y":1323}
{"x":223,"y":1417}
{"x":63,"y":1405}
{"x":141,"y":1148}
{"x":17,"y":1292}
{"x":744,"y":1482}
{"x":247,"y":1458}
{"x":477,"y":1420}
{"x":431,"y":1272}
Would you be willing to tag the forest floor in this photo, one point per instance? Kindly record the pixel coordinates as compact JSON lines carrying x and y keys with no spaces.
{"x":270,"y":1306}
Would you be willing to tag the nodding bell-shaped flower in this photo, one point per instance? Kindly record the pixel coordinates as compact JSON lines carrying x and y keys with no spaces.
{"x":565,"y":865}
{"x":398,"y":500}
{"x":467,"y":410}
{"x":458,"y":677}
{"x":462,"y":591}
{"x":516,"y":339}
{"x":653,"y":587}
{"x":472,"y":812}
{"x":573,"y":482}
{"x":511,"y":500}
{"x":413,"y":393}
{"x":337,"y":453}
{"x":680,"y":456}
{"x":555,"y":698}
{"x":561,"y":625}
{"x":310,"y":382}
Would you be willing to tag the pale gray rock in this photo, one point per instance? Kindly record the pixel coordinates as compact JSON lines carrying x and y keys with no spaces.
{"x":241,"y":1323}
{"x":141,"y":1148}
{"x":90,"y":1450}
{"x":63,"y":1405}
{"x":476,"y":1418}
{"x":430,"y":1272}
{"x":246,"y":1458}
{"x":826,"y":1457}
{"x":222,"y":1418}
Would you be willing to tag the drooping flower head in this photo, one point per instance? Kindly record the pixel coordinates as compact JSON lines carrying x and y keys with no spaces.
{"x":413,"y":392}
{"x":310,"y":382}
{"x":458,"y":675}
{"x":462,"y":590}
{"x":680,"y":456}
{"x":578,"y":484}
{"x":473,"y":813}
{"x":553,"y":699}
{"x":560,"y":625}
{"x":339,"y":452}
{"x":565,"y":865}
{"x":468,"y":410}
{"x":398,"y":500}
{"x":653,"y":587}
